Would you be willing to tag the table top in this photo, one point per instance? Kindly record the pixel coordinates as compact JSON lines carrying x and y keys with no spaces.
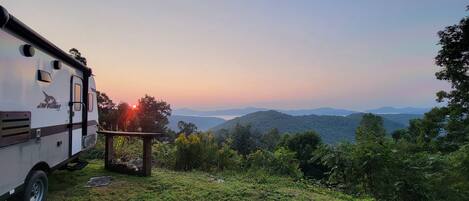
{"x":123,"y":133}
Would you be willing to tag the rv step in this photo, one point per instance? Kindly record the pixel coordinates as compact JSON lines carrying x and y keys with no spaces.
{"x":77,"y":165}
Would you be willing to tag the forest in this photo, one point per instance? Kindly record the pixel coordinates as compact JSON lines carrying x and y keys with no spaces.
{"x":428,"y":160}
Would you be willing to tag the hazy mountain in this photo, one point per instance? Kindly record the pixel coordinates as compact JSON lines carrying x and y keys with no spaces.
{"x":227,"y":112}
{"x":331,"y":128}
{"x":319,"y":111}
{"x":395,"y":110}
{"x":243,"y":111}
{"x":401,"y":118}
{"x":202,"y":123}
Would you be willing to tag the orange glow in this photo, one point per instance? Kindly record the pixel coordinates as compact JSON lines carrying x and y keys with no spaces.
{"x":134,"y":107}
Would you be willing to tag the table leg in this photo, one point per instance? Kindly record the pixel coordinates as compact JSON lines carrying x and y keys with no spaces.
{"x":146,"y":156}
{"x":108,"y":151}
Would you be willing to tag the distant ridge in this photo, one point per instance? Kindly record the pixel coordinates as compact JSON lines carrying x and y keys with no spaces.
{"x":243,"y":111}
{"x":331,"y":128}
{"x":319,"y":111}
{"x":395,"y":110}
{"x":226,"y":112}
{"x":237,"y":112}
{"x":202,"y":123}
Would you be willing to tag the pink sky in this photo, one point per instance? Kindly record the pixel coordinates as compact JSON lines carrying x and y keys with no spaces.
{"x":276,"y":54}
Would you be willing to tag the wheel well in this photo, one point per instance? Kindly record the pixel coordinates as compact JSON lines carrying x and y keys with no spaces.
{"x":41,"y":166}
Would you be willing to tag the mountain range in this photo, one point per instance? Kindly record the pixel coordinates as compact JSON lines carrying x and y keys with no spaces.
{"x":332,"y":129}
{"x":202,"y":123}
{"x":237,"y":112}
{"x":403,"y":110}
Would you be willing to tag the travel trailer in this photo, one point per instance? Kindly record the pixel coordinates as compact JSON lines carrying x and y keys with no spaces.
{"x":48,"y":110}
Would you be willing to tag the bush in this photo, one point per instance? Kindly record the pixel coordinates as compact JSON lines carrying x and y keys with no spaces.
{"x":285,"y":163}
{"x":126,"y":148}
{"x":187,"y":152}
{"x":200,"y":151}
{"x":164,"y":154}
{"x":281,"y":162}
{"x":303,"y":145}
{"x":227,"y":158}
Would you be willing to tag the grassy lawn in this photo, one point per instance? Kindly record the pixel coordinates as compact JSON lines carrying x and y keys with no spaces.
{"x":172,"y":185}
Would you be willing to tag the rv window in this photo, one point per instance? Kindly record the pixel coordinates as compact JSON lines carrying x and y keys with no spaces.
{"x":90,"y":102}
{"x":77,"y":97}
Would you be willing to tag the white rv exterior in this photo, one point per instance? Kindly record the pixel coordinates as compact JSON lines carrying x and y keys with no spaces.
{"x":48,"y":107}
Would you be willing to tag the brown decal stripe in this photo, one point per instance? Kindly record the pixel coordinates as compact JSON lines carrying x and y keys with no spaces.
{"x":51,"y":130}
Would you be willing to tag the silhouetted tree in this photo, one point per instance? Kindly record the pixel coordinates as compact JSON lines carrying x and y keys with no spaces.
{"x":152,"y":114}
{"x":123,"y":116}
{"x":187,"y":127}
{"x":77,"y":55}
{"x":453,"y":58}
{"x":107,"y":111}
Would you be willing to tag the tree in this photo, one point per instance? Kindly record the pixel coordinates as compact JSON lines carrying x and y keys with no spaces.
{"x":338,"y":160}
{"x":77,"y":55}
{"x":107,"y":111}
{"x":426,"y":131}
{"x":243,"y":141}
{"x":152,"y":114}
{"x":187,"y":128}
{"x":304,"y":145}
{"x":370,"y":129}
{"x":124,"y":116}
{"x":399,"y":134}
{"x":270,"y":140}
{"x":453,"y":58}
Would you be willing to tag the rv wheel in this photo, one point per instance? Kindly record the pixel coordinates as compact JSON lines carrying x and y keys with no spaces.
{"x":36,"y":187}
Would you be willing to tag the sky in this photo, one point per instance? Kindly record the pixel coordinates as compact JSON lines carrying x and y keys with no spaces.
{"x":215,"y":54}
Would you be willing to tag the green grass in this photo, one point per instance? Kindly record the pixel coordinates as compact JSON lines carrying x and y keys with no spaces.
{"x":195,"y":185}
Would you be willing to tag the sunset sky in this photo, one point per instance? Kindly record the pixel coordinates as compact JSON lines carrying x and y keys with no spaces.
{"x":264,"y":53}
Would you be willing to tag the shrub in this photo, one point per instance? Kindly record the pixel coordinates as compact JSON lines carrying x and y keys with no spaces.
{"x":285,"y":163}
{"x":281,"y":162}
{"x":208,"y":151}
{"x":164,"y":155}
{"x":304,"y":145}
{"x":200,"y":151}
{"x":227,"y":158}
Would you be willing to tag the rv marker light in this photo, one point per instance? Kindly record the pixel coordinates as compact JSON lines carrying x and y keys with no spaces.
{"x":27,"y":50}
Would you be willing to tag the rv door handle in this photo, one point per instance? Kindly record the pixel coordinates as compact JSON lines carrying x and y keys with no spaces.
{"x":78,"y":102}
{"x":38,"y":135}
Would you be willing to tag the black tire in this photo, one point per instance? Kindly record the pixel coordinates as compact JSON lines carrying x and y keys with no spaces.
{"x":36,"y":185}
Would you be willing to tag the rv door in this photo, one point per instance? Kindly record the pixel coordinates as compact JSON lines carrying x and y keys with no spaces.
{"x":76,"y":108}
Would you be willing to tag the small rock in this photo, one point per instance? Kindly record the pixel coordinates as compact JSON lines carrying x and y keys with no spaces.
{"x":99,"y":181}
{"x":212,"y":178}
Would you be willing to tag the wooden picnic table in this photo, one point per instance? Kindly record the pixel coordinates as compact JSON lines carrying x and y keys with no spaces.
{"x":109,"y":150}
